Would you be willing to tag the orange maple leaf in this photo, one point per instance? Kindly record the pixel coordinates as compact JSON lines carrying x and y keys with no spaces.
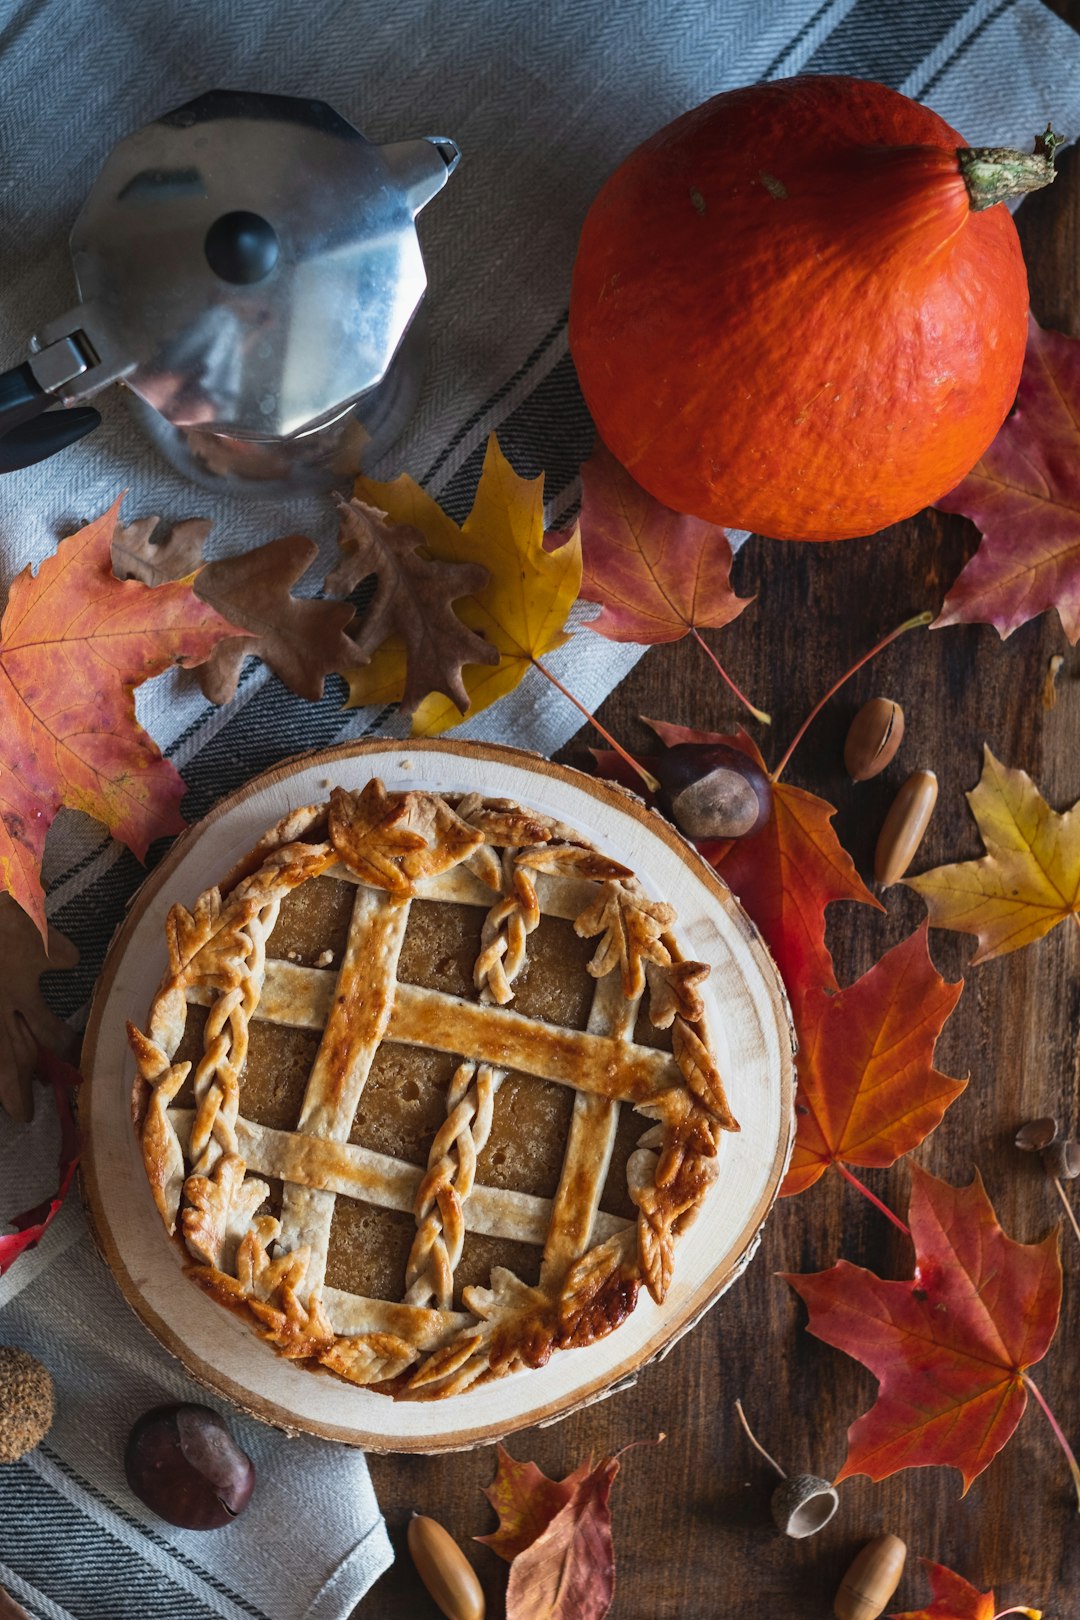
{"x":948,"y":1346}
{"x":953,"y":1598}
{"x":786,"y":874}
{"x":74,"y":643}
{"x":868,"y":1089}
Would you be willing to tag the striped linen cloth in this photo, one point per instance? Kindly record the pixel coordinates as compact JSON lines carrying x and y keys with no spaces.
{"x":543,"y":100}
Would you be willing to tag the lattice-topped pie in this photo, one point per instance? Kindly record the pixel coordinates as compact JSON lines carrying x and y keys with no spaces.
{"x":391,"y":1088}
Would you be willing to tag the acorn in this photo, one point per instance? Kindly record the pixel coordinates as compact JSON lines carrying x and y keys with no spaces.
{"x":871,"y":1579}
{"x":444,"y":1569}
{"x":713,"y":791}
{"x":26,"y":1403}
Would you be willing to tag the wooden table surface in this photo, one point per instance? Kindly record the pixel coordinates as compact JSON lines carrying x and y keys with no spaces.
{"x":692,"y":1529}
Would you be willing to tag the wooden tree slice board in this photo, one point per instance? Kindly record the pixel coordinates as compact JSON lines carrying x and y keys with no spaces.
{"x":746,"y":1009}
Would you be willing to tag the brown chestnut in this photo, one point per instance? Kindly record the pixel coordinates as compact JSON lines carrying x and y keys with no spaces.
{"x":182,"y":1462}
{"x":713,"y":791}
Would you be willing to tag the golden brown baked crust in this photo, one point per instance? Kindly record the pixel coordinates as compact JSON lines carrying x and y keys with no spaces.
{"x":205,"y":1160}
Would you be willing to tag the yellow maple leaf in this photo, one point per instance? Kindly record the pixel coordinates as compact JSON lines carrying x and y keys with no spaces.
{"x":1029,"y":879}
{"x":521,"y":610}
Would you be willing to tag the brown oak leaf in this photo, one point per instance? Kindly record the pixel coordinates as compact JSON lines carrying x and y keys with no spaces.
{"x":301,"y":639}
{"x":25,"y":1020}
{"x":414,"y":599}
{"x":176,"y":555}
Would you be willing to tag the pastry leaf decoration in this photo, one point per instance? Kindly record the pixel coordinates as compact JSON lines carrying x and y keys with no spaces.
{"x":1024,"y":495}
{"x":414,"y":599}
{"x":868,"y":1089}
{"x":1029,"y":879}
{"x":521,"y":610}
{"x":949,"y":1345}
{"x":74,"y":643}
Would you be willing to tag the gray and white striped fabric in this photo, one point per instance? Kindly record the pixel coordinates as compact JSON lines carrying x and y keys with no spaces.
{"x":544,"y":100}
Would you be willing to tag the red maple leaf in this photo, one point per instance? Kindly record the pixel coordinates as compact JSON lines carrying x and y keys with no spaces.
{"x":950,"y":1346}
{"x":74,"y":643}
{"x":786,"y":874}
{"x":32,"y":1224}
{"x":658,"y":574}
{"x":868,"y":1089}
{"x":526,"y":1502}
{"x":953,"y":1598}
{"x":568,"y":1572}
{"x":1025,"y":497}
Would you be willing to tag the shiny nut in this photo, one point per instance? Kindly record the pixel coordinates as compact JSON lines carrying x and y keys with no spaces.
{"x":873,"y":739}
{"x":872,"y":1579}
{"x":904,"y":825}
{"x":444,"y":1569}
{"x":1037,"y":1134}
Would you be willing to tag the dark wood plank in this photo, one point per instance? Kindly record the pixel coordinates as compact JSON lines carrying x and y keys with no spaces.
{"x":692,"y":1525}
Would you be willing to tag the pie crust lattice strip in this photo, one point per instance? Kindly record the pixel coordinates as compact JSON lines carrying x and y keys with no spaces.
{"x":206,"y":1161}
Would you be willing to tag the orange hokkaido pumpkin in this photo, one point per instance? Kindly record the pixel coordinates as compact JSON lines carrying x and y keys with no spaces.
{"x":788,"y":315}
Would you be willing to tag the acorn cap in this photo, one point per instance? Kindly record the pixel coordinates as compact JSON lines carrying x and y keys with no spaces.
{"x":803,"y":1505}
{"x":26,"y":1403}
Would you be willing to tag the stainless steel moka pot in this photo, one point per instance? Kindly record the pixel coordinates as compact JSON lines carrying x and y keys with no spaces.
{"x":248,"y":270}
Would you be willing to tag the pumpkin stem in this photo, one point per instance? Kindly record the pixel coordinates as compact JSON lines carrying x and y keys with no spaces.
{"x":993,"y":174}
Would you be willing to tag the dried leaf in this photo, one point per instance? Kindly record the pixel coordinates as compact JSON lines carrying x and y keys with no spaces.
{"x":868,"y":1089}
{"x":74,"y":643}
{"x":32,"y":1224}
{"x":526,"y":1501}
{"x":1025,"y":497}
{"x":950,"y":1345}
{"x":137,"y":555}
{"x":414,"y":597}
{"x":26,"y":1022}
{"x":656,"y":573}
{"x":568,"y":1572}
{"x":953,"y":1598}
{"x":1029,"y":879}
{"x":520,"y":612}
{"x":300,"y":638}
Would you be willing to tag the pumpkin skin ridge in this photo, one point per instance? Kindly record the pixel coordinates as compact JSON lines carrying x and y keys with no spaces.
{"x":915,"y":417}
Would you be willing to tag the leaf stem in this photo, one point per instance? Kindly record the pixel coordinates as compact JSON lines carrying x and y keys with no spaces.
{"x":646,"y":776}
{"x":1070,"y":1212}
{"x":1058,"y":1435}
{"x":756,"y":1443}
{"x":915,"y":623}
{"x":873,"y":1197}
{"x":758,"y":714}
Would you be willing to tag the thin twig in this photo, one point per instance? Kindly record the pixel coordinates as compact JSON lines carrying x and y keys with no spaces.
{"x":1070,"y":1212}
{"x":646,"y":776}
{"x":1058,"y":1435}
{"x":873,"y":1197}
{"x":756,"y":1443}
{"x":758,"y":714}
{"x":909,"y":624}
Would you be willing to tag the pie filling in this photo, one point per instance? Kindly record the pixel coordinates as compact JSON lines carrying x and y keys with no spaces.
{"x":426,"y":1091}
